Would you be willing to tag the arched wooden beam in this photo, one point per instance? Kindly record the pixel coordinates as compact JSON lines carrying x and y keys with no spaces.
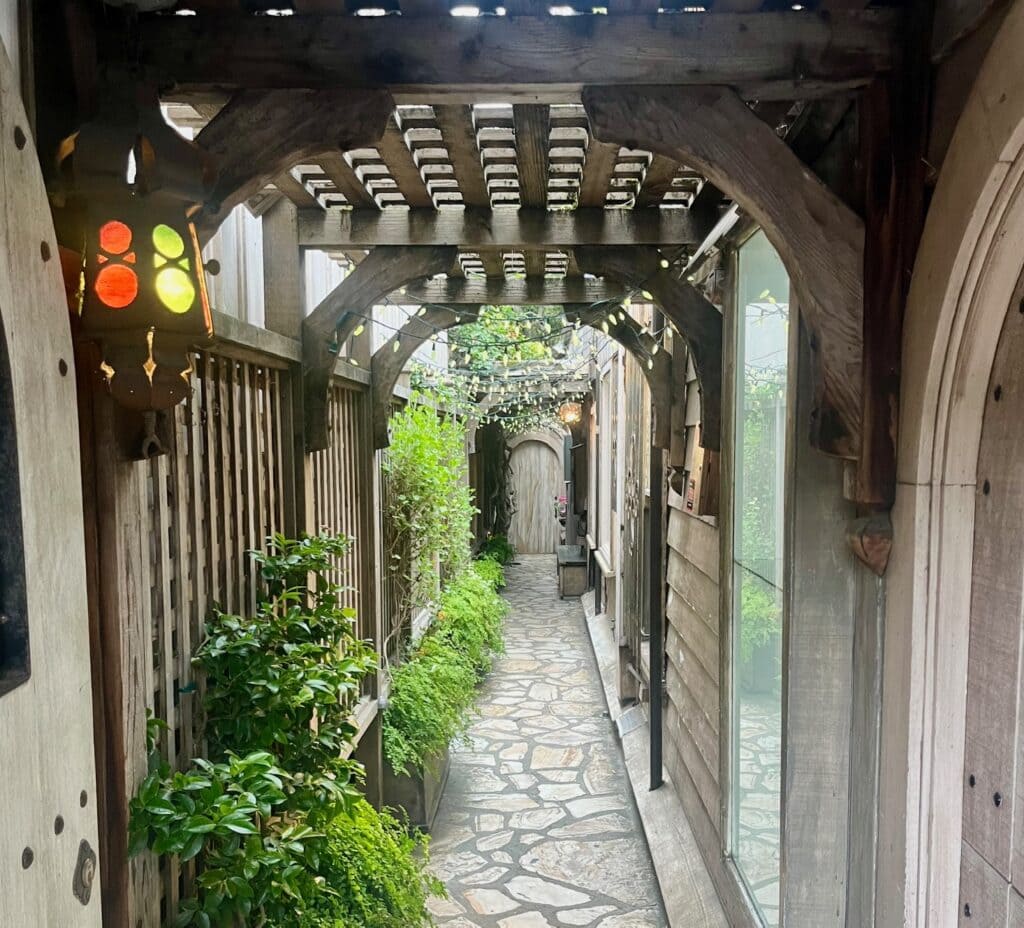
{"x":390,"y":359}
{"x":654,"y":362}
{"x":260,"y":134}
{"x":820,"y":240}
{"x":388,"y":362}
{"x":383,"y":271}
{"x":694,"y":317}
{"x":696,"y":320}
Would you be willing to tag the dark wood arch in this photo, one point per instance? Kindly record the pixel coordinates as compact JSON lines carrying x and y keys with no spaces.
{"x":384,"y":270}
{"x":696,"y":319}
{"x":390,"y":359}
{"x":820,"y":240}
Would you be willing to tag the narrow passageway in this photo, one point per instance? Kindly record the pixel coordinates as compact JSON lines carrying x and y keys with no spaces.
{"x":537,"y":825}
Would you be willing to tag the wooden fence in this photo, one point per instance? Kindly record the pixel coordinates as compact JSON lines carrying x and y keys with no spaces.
{"x":174,"y":536}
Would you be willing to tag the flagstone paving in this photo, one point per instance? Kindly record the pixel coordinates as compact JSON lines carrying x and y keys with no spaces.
{"x":537,"y":827}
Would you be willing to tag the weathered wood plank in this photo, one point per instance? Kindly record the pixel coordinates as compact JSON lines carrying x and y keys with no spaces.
{"x":398,"y":158}
{"x":527,"y":291}
{"x":679,"y":741}
{"x":459,"y":135}
{"x":992,"y":752}
{"x":344,"y":178}
{"x":694,"y":633}
{"x":696,"y":588}
{"x":784,"y":55}
{"x":695,"y":711}
{"x":597,"y":172}
{"x":696,"y":541}
{"x":983,"y":892}
{"x":260,"y":134}
{"x":532,"y":128}
{"x":820,"y":240}
{"x":522,"y":228}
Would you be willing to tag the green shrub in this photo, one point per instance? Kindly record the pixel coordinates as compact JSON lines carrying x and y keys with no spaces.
{"x":372,"y":873}
{"x":276,"y":812}
{"x":498,"y":548}
{"x":491,"y":571}
{"x":431,"y":510}
{"x":434,"y":688}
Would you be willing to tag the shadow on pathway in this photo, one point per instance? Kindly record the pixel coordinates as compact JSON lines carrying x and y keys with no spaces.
{"x":537,"y":826}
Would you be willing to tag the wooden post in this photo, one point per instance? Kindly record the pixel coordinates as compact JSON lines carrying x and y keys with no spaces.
{"x":284,"y":297}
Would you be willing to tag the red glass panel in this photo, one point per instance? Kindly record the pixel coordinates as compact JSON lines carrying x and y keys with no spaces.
{"x":115,"y":237}
{"x":130,"y":257}
{"x":117,"y":286}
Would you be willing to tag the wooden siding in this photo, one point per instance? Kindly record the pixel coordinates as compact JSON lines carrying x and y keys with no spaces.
{"x":692,"y":652}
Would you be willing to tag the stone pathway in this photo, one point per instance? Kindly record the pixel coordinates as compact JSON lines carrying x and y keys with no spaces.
{"x":537,"y":827}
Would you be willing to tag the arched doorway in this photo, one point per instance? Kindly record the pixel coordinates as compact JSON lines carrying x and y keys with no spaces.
{"x":537,"y":471}
{"x":966,"y":276}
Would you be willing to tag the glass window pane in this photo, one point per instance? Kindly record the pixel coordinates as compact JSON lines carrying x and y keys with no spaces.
{"x":761,"y":372}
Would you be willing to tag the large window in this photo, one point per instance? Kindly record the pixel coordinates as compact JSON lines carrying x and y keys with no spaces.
{"x":761,"y":374}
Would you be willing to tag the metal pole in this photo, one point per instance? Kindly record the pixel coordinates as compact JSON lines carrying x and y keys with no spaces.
{"x":656,"y":583}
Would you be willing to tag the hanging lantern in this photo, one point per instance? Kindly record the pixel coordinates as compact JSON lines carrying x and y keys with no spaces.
{"x":143,"y":290}
{"x":570,"y":413}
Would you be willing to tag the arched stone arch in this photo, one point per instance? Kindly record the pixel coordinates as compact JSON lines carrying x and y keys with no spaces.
{"x":390,"y":359}
{"x":820,"y":240}
{"x":967,"y":267}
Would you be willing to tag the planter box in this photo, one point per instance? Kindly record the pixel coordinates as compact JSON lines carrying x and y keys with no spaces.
{"x":419,"y":795}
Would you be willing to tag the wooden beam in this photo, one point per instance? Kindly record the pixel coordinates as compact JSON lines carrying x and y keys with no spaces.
{"x":347,"y":306}
{"x":344,"y":179}
{"x":615,"y":322}
{"x":533,"y":129}
{"x":390,"y":359}
{"x":785,"y":55}
{"x":597,"y":172}
{"x":820,"y":240}
{"x":657,"y":181}
{"x":260,"y":134}
{"x":481,"y":228}
{"x":528,"y":291}
{"x":696,"y":320}
{"x":459,"y":135}
{"x":401,"y":166}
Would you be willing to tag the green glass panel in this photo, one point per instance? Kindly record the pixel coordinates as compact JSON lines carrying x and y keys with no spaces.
{"x":175,"y":289}
{"x":168,"y":242}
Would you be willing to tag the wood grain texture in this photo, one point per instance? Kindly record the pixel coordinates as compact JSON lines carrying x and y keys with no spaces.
{"x":992,"y":747}
{"x":696,"y":319}
{"x":46,"y":722}
{"x":820,"y":240}
{"x":349,"y":304}
{"x":533,"y":128}
{"x":536,"y":290}
{"x":536,"y":481}
{"x":260,"y":134}
{"x":768,"y":55}
{"x":473,"y":227}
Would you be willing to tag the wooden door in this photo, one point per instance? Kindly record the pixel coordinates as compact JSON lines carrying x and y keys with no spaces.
{"x":992,"y":858}
{"x":48,"y":838}
{"x":537,"y":482}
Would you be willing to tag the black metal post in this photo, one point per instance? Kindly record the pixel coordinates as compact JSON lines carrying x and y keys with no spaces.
{"x":656,"y":624}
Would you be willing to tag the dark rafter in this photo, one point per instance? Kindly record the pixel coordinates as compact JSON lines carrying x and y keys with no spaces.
{"x":785,"y":55}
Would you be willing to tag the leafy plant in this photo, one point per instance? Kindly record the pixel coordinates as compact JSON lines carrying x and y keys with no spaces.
{"x":284,"y":681}
{"x":491,"y":571}
{"x":498,"y":548}
{"x":372,"y":873}
{"x":433,"y":690}
{"x":506,"y":335}
{"x":272,"y":813}
{"x":431,"y":511}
